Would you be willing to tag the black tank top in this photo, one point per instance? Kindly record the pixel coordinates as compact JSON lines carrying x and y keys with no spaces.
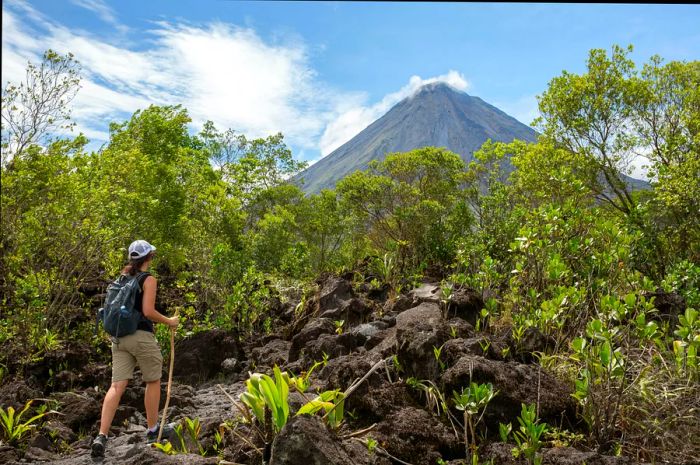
{"x":145,"y":324}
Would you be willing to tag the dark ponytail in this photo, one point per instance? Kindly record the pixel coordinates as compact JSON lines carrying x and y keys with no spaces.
{"x":134,"y":265}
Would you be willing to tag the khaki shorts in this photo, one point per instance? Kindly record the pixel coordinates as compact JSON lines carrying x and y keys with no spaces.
{"x":139,"y":349}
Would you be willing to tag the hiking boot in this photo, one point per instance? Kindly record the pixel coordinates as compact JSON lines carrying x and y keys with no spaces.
{"x":152,"y":436}
{"x":98,"y":445}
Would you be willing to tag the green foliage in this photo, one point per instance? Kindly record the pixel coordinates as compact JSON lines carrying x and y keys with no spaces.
{"x":332,"y":402}
{"x":556,"y":437}
{"x":489,"y":196}
{"x":385,"y":269}
{"x":371,"y":445}
{"x":504,"y":431}
{"x":246,"y":303}
{"x":44,"y":341}
{"x":188,"y":434}
{"x":435,"y":400}
{"x":528,"y":435}
{"x":684,"y":278}
{"x":264,"y":393}
{"x":409,"y":203}
{"x":667,"y":110}
{"x":688,"y":344}
{"x":613,"y":111}
{"x":471,"y":401}
{"x":575,"y":107}
{"x":323,"y":226}
{"x":601,"y":379}
{"x":14,"y":429}
{"x":273,"y":243}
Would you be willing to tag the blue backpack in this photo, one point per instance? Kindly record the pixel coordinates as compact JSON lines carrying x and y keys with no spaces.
{"x":119,"y":316}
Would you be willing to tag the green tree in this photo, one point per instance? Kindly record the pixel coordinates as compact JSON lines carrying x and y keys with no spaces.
{"x":613,"y":113}
{"x":590,"y":114}
{"x":35,"y":109}
{"x":546,"y":174}
{"x":154,"y":180}
{"x":405,"y":202}
{"x":249,"y":166}
{"x":323,"y":226}
{"x":53,"y":239}
{"x":491,"y":198}
{"x":273,"y":239}
{"x":667,"y":119}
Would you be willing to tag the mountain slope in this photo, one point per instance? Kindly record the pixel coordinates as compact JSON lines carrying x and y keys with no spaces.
{"x":437,"y":115}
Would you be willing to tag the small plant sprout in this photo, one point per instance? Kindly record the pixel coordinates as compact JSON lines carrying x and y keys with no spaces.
{"x":332,"y":402}
{"x":339,"y":326}
{"x":504,"y":431}
{"x":219,"y":436}
{"x":302,"y":382}
{"x":475,"y":460}
{"x":527,"y":437}
{"x":437,"y":352}
{"x":371,"y":445}
{"x":446,"y":289}
{"x":434,"y":399}
{"x":471,"y":401}
{"x":166,"y":448}
{"x":385,"y":269}
{"x":397,"y":365}
{"x":485,"y":345}
{"x":194,"y":429}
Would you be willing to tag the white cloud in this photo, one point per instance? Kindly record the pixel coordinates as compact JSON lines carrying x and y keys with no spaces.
{"x":219,"y":72}
{"x":355,"y":117}
{"x":231,"y":76}
{"x":103,"y":11}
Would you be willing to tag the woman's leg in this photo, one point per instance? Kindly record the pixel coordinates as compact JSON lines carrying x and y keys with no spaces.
{"x":110,"y":404}
{"x":151,"y":400}
{"x":123,"y":364}
{"x":150,"y":360}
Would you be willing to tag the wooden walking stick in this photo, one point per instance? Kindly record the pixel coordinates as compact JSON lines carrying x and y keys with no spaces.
{"x":170,"y":381}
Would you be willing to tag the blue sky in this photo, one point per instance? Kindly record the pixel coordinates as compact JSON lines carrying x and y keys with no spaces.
{"x":321,"y":72}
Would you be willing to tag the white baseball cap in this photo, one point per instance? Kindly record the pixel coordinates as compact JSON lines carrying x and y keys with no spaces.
{"x":139,"y":249}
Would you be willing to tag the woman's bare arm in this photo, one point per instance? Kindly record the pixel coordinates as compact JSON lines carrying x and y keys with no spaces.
{"x":150,"y":286}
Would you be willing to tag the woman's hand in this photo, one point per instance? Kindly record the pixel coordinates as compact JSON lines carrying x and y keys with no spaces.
{"x":173,"y":322}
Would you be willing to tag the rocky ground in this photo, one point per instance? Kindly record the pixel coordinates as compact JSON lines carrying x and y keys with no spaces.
{"x":406,"y":428}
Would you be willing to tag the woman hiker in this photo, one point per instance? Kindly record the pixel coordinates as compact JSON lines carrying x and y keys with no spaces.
{"x":139,"y":349}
